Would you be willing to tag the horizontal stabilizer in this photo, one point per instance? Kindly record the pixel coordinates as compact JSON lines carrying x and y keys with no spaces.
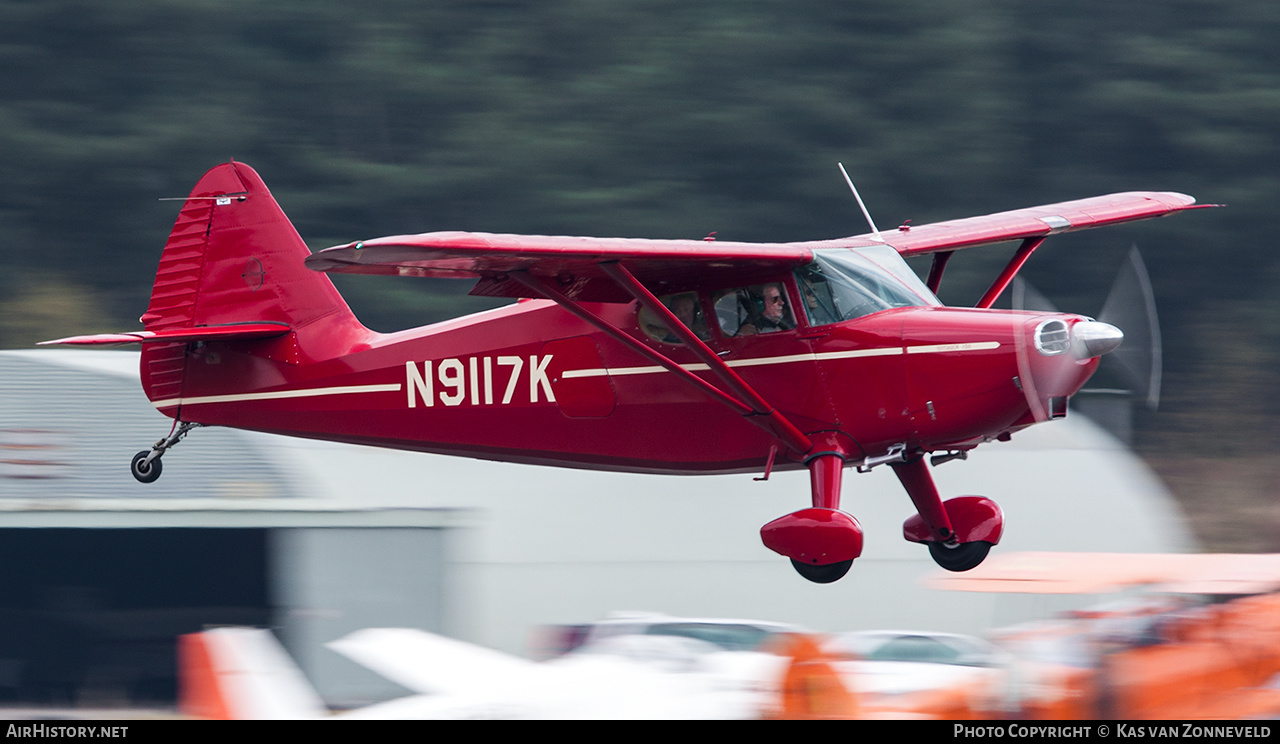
{"x":231,"y":332}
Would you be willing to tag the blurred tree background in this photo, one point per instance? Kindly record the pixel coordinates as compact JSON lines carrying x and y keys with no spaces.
{"x":657,"y":118}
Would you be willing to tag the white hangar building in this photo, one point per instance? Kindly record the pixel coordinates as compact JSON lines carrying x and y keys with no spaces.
{"x":316,"y":540}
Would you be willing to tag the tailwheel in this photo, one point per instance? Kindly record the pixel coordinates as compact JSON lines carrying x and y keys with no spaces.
{"x":146,"y":464}
{"x":823,"y":574}
{"x":960,"y":556}
{"x":145,"y":472}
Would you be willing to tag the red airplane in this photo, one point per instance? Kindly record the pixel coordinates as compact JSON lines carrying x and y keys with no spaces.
{"x":649,"y":356}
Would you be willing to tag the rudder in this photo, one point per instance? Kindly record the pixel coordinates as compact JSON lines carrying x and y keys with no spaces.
{"x":234,"y":257}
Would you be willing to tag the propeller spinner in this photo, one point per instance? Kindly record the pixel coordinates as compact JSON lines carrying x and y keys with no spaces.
{"x":1130,"y":305}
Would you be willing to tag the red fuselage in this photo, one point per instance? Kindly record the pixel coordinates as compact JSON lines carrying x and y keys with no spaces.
{"x":531,"y":383}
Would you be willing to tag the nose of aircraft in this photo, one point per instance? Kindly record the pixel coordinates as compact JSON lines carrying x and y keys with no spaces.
{"x":1068,"y":352}
{"x":1092,"y":339}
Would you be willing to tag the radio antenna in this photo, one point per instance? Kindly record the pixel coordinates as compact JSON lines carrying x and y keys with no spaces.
{"x":875,"y":232}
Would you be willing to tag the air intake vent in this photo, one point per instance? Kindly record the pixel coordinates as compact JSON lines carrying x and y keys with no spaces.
{"x":1053,"y":337}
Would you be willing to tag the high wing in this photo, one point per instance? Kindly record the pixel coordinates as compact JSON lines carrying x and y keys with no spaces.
{"x":572,"y":263}
{"x":1037,"y":222}
{"x":664,"y":266}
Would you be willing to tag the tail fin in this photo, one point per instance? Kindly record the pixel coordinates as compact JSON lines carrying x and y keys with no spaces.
{"x":233,"y":272}
{"x":234,"y":263}
{"x":233,"y":257}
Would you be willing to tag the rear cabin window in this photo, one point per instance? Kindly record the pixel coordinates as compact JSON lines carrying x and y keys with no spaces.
{"x":685,"y":306}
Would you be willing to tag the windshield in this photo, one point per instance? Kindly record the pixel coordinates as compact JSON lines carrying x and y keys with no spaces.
{"x":842,"y":284}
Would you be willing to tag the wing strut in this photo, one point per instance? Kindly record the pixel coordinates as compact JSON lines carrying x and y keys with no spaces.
{"x":773,"y":421}
{"x":540,"y":287}
{"x":940,"y":260}
{"x":1020,"y":257}
{"x":755,"y":409}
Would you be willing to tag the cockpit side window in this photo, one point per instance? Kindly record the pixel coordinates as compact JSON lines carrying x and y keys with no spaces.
{"x":758,"y":308}
{"x":843,"y":284}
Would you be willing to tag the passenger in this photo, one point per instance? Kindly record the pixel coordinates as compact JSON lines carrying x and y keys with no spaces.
{"x":685,"y":308}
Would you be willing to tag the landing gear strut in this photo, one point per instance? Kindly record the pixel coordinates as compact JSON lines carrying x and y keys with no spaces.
{"x":959,"y":532}
{"x":146,"y":466}
{"x":821,"y":541}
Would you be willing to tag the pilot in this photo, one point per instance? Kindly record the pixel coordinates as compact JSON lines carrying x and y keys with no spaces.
{"x":773,"y":316}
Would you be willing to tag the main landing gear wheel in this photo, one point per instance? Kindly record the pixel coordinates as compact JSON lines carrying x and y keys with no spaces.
{"x":824,"y":574}
{"x":961,"y":556}
{"x":145,"y":472}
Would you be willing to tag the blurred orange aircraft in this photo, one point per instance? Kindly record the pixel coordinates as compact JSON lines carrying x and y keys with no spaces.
{"x":1201,"y":640}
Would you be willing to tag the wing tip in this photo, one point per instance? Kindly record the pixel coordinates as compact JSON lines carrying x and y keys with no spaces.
{"x":1183,"y":202}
